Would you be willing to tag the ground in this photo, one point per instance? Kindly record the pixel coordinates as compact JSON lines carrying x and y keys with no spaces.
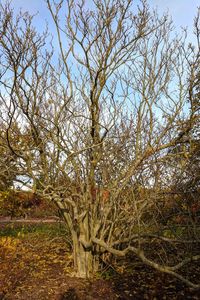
{"x":36,"y":264}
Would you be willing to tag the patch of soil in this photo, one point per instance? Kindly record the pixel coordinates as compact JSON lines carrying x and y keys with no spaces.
{"x":39,"y":267}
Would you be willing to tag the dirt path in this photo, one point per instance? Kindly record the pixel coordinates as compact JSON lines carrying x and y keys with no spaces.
{"x":30,"y":220}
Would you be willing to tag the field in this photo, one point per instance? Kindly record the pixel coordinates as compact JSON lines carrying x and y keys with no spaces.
{"x":36,"y":263}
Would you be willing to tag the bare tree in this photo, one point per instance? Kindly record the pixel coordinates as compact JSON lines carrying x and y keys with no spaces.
{"x":100,"y":122}
{"x":8,"y":163}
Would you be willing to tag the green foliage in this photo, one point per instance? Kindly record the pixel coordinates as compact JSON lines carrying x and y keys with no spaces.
{"x":176,"y":232}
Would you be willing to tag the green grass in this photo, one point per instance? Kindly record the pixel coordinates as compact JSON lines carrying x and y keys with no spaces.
{"x":51,"y":230}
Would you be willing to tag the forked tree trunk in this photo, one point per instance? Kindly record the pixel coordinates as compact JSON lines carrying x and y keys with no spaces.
{"x":85,"y":262}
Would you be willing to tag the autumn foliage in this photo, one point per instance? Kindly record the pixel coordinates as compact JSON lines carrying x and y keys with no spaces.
{"x":24,"y":204}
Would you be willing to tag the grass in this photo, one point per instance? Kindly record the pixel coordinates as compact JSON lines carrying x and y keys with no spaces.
{"x":50,"y":230}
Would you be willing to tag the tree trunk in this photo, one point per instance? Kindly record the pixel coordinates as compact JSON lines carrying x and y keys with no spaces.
{"x":85,"y":262}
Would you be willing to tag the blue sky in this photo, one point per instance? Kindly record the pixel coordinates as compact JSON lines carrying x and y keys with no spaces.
{"x":182,"y":11}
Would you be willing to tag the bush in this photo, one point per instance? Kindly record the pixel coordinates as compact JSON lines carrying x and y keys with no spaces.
{"x":24,"y":203}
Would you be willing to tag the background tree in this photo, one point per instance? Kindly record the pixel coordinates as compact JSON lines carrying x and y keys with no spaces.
{"x":100,"y":122}
{"x":8,"y":165}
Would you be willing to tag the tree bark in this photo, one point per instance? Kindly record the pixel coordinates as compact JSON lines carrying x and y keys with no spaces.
{"x":85,"y":262}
